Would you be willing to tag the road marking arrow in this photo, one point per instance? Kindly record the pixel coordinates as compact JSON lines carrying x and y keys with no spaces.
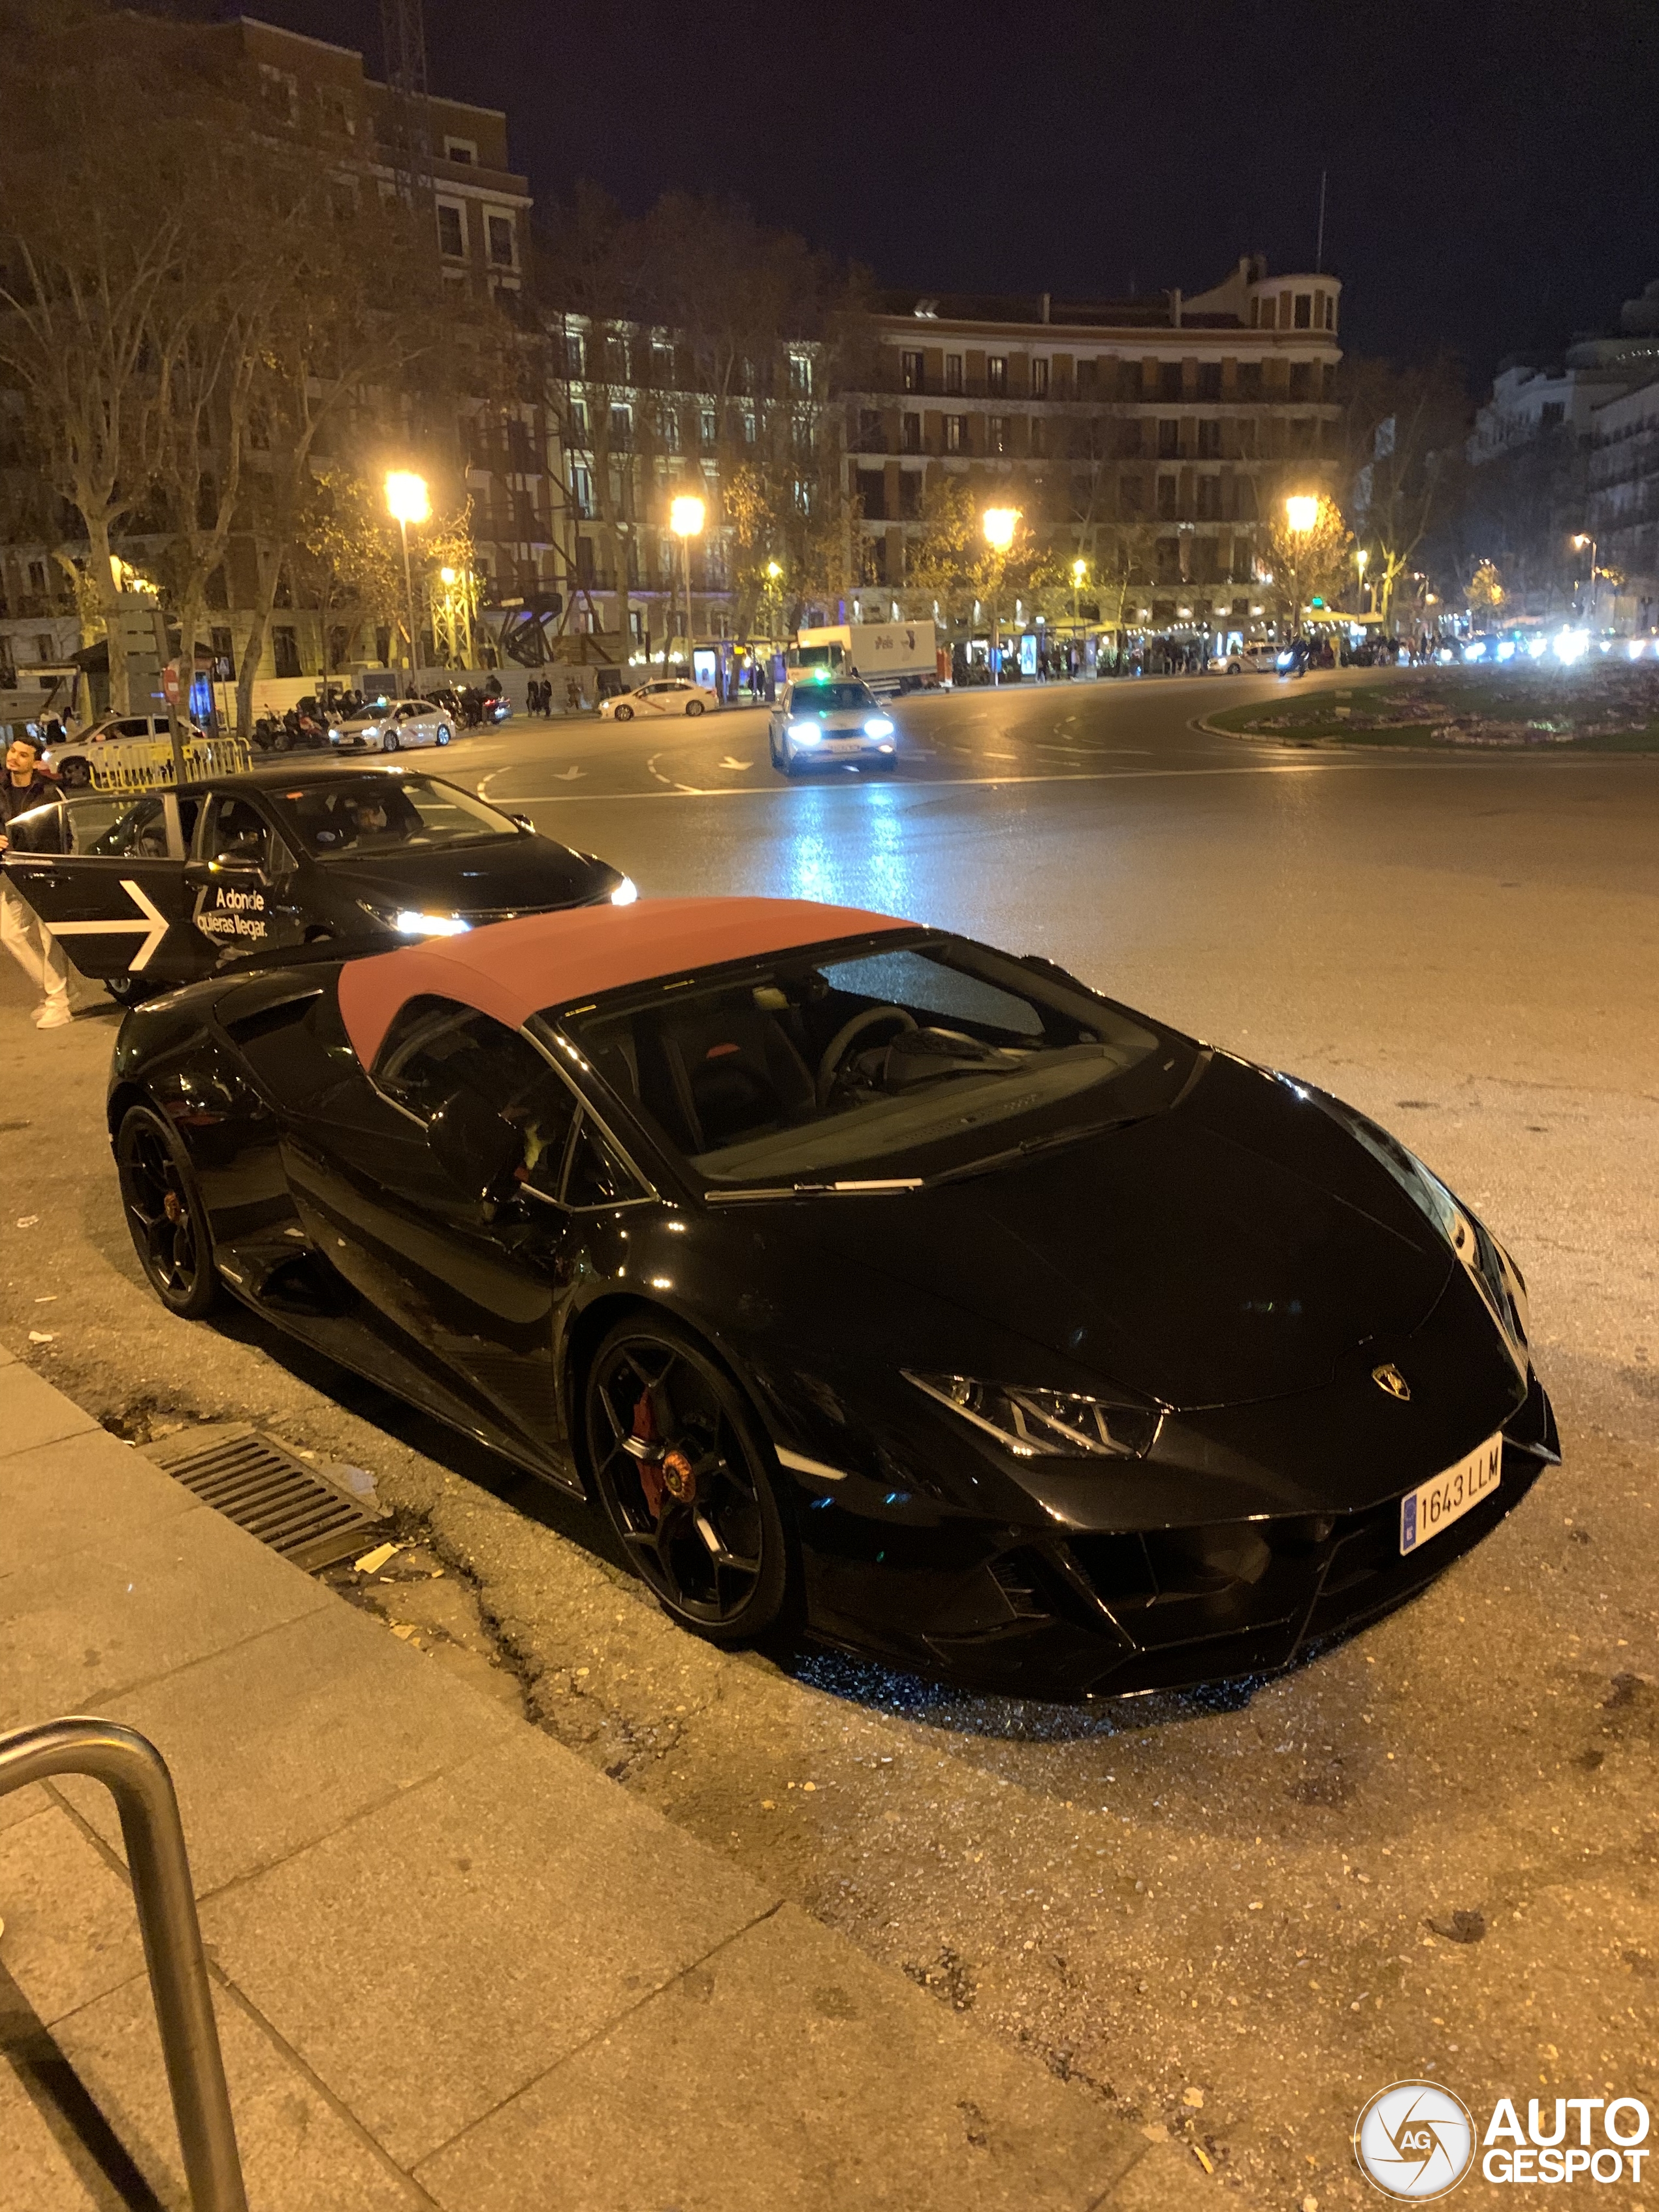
{"x":154,"y":927}
{"x":729,"y":762}
{"x":568,"y":775}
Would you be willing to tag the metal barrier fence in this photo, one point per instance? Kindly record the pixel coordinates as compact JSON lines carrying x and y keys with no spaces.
{"x":146,"y":764}
{"x":135,"y":1775}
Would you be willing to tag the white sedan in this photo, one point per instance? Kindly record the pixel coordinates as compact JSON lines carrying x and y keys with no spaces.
{"x":394,"y":728}
{"x":673,"y":696}
{"x":1257,"y":657}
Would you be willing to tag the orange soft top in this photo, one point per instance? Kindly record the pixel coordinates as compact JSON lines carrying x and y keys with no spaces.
{"x":510,"y":969}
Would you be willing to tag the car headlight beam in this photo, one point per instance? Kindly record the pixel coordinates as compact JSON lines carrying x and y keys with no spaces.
{"x":805,"y":734}
{"x":625,"y":893}
{"x":1039,"y":1424}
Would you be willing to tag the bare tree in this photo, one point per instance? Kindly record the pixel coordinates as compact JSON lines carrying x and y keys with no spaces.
{"x":1403,"y":432}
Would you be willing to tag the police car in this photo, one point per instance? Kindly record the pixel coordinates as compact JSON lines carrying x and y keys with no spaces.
{"x":143,"y":893}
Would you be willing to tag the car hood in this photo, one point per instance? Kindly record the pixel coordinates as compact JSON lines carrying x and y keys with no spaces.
{"x":1232,"y":1249}
{"x":523,"y":873}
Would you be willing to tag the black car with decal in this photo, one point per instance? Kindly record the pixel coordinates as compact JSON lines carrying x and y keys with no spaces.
{"x":147,"y":891}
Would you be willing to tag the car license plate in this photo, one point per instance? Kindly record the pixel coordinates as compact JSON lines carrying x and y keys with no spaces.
{"x":1432,"y":1506}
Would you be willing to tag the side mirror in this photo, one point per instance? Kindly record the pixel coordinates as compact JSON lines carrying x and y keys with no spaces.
{"x":524,"y":822}
{"x":202,"y":875}
{"x":475,"y":1149}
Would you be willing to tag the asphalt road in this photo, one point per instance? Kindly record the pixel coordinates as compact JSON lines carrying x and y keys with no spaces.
{"x":1434,"y":1849}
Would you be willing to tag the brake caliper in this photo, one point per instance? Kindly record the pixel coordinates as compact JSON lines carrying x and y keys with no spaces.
{"x":663,"y":1473}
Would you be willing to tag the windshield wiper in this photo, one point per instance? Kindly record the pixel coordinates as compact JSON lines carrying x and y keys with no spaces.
{"x":1032,"y":1146}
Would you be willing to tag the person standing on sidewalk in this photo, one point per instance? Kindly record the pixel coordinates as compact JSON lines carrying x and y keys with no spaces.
{"x":23,"y":786}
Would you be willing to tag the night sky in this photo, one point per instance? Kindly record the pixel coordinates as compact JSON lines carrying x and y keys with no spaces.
{"x":1493,"y":185}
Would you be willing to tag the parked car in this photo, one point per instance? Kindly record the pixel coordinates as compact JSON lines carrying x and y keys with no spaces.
{"x":149,"y":892}
{"x":818,"y":719}
{"x":672,"y":694}
{"x":1254,"y":658}
{"x":117,"y":737}
{"x":394,"y":728}
{"x":868,"y":1279}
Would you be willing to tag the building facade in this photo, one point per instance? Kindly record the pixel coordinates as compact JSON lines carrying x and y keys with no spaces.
{"x":1156,"y":432}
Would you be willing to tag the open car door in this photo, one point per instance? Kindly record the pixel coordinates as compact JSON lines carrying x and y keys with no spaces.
{"x":106,"y":874}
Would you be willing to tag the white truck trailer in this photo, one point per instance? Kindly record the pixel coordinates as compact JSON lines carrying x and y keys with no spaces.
{"x":891,"y":657}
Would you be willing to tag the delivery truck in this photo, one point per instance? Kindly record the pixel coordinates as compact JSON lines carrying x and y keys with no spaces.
{"x":891,"y":657}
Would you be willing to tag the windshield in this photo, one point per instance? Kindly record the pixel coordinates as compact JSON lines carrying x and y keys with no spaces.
{"x":847,"y":1065}
{"x":830,"y":699}
{"x":351,"y":816}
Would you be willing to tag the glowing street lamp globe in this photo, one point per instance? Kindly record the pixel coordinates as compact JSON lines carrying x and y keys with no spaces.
{"x":406,"y":497}
{"x":686,"y":515}
{"x":999,"y":523}
{"x":1301,"y":512}
{"x":1080,"y":571}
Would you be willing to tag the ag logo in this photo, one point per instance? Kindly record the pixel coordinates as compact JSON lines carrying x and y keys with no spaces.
{"x":1414,"y":2141}
{"x":1390,"y":1379}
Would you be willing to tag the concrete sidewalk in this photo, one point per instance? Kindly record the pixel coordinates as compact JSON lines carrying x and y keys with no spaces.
{"x":454,"y":1965}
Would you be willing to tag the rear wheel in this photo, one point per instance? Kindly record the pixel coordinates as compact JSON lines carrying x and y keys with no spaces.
{"x":444,"y":733}
{"x":77,"y":773}
{"x":165,"y":1213}
{"x":693,"y":706}
{"x":131,"y":990}
{"x":678,"y":1459}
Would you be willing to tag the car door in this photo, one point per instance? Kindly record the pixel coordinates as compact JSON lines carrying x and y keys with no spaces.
{"x":417,"y":723}
{"x":247,"y":891}
{"x":113,"y":891}
{"x":474,"y":1275}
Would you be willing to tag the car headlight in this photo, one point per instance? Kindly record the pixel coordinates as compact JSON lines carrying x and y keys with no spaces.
{"x":625,"y":893}
{"x":805,"y":733}
{"x":1036,"y":1424}
{"x":409,"y":922}
{"x":878,"y":727}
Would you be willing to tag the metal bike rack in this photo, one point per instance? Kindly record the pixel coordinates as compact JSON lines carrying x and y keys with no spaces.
{"x":135,"y":1775}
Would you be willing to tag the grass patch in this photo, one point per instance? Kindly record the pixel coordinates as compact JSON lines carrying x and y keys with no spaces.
{"x":1606,"y":706}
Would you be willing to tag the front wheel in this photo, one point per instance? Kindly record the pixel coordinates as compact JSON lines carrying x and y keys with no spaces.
{"x":388,"y":741}
{"x":165,"y":1213}
{"x":444,"y":733}
{"x":77,"y":774}
{"x":693,"y":707}
{"x":681,"y":1466}
{"x":623,"y":714}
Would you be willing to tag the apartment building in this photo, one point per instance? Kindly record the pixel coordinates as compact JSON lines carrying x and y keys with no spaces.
{"x":1166,"y":426}
{"x":1623,"y":516}
{"x":476,"y":451}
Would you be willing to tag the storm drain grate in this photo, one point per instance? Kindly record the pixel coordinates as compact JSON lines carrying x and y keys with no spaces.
{"x":264,"y":1488}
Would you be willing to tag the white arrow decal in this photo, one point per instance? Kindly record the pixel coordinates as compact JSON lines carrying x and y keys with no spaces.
{"x":154,"y":927}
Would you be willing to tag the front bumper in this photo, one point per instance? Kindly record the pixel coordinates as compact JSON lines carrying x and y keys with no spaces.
{"x":1076,"y":1614}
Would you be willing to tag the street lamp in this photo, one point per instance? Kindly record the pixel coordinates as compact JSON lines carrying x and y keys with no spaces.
{"x":685,"y":519}
{"x":1581,"y":541}
{"x":1301,"y":512}
{"x":1361,"y":558}
{"x":999,"y":524}
{"x":407,"y":501}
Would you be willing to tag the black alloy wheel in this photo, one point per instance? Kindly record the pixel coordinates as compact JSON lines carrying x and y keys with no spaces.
{"x":131,"y":990}
{"x":678,"y":1461}
{"x":164,"y":1211}
{"x":444,"y":733}
{"x":77,"y":774}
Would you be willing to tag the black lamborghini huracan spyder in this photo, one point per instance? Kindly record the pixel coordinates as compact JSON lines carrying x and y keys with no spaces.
{"x":873,"y":1282}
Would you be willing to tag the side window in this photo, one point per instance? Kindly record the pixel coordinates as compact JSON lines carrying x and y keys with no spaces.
{"x":437,"y":1049}
{"x":236,"y":830}
{"x":597,"y":1175}
{"x":141,"y":833}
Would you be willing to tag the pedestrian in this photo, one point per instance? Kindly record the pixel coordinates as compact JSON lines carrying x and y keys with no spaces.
{"x":25,"y":784}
